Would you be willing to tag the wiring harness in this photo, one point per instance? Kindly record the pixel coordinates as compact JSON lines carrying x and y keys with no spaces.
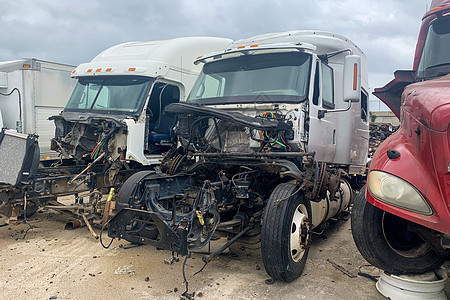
{"x":273,"y":140}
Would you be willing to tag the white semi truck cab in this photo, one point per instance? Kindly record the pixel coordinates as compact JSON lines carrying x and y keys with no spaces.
{"x":117,"y":105}
{"x":301,"y":76}
{"x":272,"y":140}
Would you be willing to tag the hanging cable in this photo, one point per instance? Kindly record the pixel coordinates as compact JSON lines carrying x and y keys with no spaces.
{"x":20,"y":105}
{"x":101,"y":233}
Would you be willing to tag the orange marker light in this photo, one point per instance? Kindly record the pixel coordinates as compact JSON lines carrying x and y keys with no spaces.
{"x":74,"y":71}
{"x":89,"y":70}
{"x":26,"y":66}
{"x":241,"y":47}
{"x":436,"y":8}
{"x":253,"y":46}
{"x":131,"y":69}
{"x":355,"y":76}
{"x":98,"y":70}
{"x":199,"y":57}
{"x":108,"y":70}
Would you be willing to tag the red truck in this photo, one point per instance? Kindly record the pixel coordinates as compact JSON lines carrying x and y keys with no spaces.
{"x":401,"y":223}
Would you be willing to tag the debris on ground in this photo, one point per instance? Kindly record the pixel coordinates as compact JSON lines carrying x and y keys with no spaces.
{"x":342,"y":269}
{"x":124,"y":270}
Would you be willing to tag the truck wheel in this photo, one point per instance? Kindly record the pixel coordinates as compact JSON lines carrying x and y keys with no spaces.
{"x":129,"y":189}
{"x":285,"y":233}
{"x":384,"y":241}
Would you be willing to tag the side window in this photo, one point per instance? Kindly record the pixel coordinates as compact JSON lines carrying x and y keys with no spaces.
{"x":316,"y":86}
{"x":364,"y":105}
{"x":327,"y":86}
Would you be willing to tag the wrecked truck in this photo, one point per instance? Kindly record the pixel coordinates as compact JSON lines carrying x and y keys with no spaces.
{"x":111,"y":126}
{"x":401,"y":221}
{"x":272,"y":141}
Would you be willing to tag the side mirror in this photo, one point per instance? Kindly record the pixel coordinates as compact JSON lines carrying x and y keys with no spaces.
{"x":352,"y":78}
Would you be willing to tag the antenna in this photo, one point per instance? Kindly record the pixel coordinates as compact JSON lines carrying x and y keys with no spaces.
{"x":181,"y":75}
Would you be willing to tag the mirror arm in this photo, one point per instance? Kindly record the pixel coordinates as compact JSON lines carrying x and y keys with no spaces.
{"x":322,"y":112}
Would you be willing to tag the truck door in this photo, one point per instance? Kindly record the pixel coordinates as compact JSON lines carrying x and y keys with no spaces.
{"x":322,"y":131}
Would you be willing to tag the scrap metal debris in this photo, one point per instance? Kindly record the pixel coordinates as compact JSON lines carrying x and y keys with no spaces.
{"x":170,"y":261}
{"x":342,"y":269}
{"x":124,"y":270}
{"x":378,"y":133}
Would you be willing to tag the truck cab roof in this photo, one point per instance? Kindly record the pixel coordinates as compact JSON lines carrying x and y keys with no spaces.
{"x":152,"y":58}
{"x":319,"y":42}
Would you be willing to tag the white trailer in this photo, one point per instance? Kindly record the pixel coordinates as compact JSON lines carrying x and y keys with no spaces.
{"x":32,"y":90}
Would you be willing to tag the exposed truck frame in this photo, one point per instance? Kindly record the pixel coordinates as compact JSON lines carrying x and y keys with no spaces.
{"x":272,"y":141}
{"x":111,"y":126}
{"x":401,"y":223}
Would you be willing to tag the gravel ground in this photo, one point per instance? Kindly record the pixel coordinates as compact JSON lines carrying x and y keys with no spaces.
{"x":53,"y":263}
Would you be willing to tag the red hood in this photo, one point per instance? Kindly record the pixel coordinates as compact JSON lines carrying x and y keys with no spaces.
{"x":429,"y":102}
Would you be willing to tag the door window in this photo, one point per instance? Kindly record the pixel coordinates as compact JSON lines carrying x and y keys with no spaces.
{"x":327,"y":86}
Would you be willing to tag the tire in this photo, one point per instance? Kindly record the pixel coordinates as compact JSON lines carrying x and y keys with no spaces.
{"x":384,"y":241}
{"x":283,"y":255}
{"x":131,"y":188}
{"x":128,"y":188}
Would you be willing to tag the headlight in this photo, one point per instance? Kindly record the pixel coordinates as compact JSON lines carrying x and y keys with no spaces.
{"x":397,"y":192}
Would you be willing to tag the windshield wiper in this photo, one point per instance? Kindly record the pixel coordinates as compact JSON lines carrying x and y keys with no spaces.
{"x":96,"y":97}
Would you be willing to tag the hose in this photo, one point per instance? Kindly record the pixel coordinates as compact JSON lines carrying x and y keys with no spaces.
{"x":20,"y":104}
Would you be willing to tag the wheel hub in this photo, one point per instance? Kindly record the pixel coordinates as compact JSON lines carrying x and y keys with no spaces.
{"x":300,"y":233}
{"x":406,"y":243}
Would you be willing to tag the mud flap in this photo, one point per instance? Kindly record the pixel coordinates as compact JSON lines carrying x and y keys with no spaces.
{"x":129,"y":224}
{"x":19,"y":157}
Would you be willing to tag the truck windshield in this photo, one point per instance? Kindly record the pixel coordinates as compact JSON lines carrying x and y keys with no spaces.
{"x":274,"y":77}
{"x":435,"y":59}
{"x":121,"y":95}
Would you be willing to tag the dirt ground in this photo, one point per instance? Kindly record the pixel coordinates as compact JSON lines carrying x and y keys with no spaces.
{"x":53,"y":263}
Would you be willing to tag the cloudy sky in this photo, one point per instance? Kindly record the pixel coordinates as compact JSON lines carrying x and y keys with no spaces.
{"x":73,"y":32}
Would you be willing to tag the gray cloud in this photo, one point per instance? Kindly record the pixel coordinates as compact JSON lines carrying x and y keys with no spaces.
{"x":75,"y":31}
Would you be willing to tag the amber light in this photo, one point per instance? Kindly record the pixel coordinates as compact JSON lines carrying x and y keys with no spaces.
{"x":108,"y":70}
{"x":253,"y":46}
{"x":131,"y":69}
{"x":26,"y":66}
{"x":98,"y":70}
{"x":436,"y":8}
{"x":89,"y":70}
{"x":241,"y":47}
{"x":355,"y":76}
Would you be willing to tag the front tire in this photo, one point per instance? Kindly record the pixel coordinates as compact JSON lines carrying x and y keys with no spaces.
{"x":285,"y":233}
{"x":384,"y":240}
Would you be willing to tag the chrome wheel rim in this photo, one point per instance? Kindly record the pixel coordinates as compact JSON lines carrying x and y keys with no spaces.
{"x":299,"y":233}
